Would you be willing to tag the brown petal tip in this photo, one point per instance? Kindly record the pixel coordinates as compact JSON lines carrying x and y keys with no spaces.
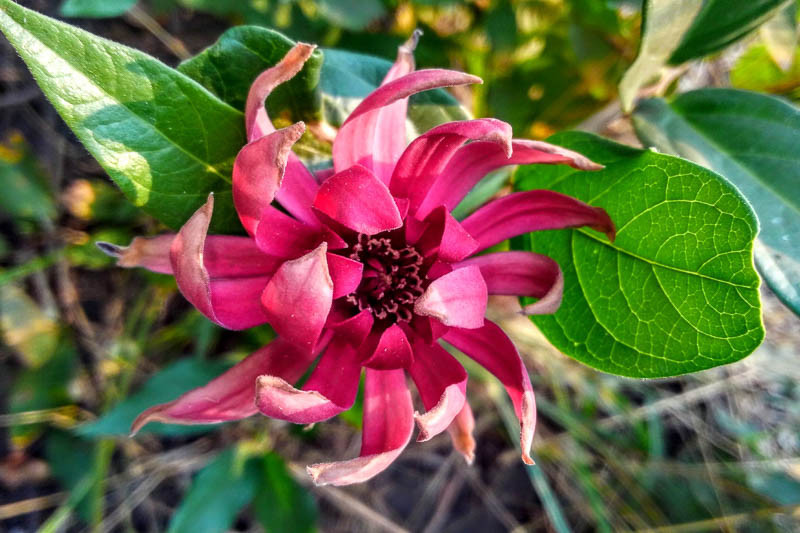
{"x":111,"y":250}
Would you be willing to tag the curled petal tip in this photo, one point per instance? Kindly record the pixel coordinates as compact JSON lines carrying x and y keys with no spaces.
{"x":314,"y":471}
{"x":110,"y":249}
{"x":411,"y":44}
{"x":527,"y":459}
{"x":606,"y":225}
{"x":424,"y":435}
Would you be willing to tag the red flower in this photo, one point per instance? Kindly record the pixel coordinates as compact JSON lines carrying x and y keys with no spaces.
{"x":364,"y":267}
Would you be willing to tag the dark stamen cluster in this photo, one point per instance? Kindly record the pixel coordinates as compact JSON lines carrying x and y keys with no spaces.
{"x":391,"y":281}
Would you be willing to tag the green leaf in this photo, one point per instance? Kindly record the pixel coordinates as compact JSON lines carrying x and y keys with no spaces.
{"x":676,"y":291}
{"x":752,"y":140}
{"x":281,"y":505}
{"x":165,"y":140}
{"x":164,"y":386}
{"x":663,"y":25}
{"x":95,"y":8}
{"x":228,"y":67}
{"x":720,"y":23}
{"x":217,"y":495}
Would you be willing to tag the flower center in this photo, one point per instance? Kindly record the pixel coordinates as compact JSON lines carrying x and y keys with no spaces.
{"x":391,"y":281}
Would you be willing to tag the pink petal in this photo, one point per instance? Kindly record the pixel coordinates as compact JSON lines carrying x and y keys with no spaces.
{"x":372,"y":135}
{"x":151,"y":253}
{"x":354,"y":329}
{"x":226,"y":291}
{"x":345,"y":273}
{"x":224,"y":256}
{"x":388,"y":425}
{"x":472,"y":162}
{"x":428,"y":328}
{"x":379,"y":137}
{"x":282,"y":236}
{"x":258,"y":173}
{"x":357,"y":199}
{"x":298,"y":297}
{"x":427,"y":155}
{"x":527,"y":211}
{"x":457,"y":299}
{"x":461,"y":430}
{"x":330,"y":390}
{"x":230,"y":396}
{"x":257,"y":121}
{"x":442,"y":385}
{"x":490,"y":347}
{"x":299,"y":185}
{"x":445,"y":238}
{"x":297,"y":191}
{"x":392,"y":351}
{"x":522,"y":274}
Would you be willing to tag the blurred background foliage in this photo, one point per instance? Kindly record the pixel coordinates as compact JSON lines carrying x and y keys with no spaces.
{"x":85,"y":346}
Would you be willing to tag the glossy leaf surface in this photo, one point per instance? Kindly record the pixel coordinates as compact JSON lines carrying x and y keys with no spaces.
{"x":164,"y":139}
{"x":676,"y":291}
{"x":752,"y":140}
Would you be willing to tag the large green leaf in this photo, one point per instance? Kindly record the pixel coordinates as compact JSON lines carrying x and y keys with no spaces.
{"x":281,"y":505}
{"x":217,"y":495}
{"x":722,"y":22}
{"x":164,"y":139}
{"x":164,"y":386}
{"x":676,"y":291}
{"x":664,"y":23}
{"x":228,"y":67}
{"x":752,"y":140}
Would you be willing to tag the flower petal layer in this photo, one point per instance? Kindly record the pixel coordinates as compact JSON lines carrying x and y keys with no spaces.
{"x":354,"y":329}
{"x":257,"y":121}
{"x":299,"y":184}
{"x":490,"y":347}
{"x":330,"y":389}
{"x":377,"y":138}
{"x":527,"y":211}
{"x":392,"y":351}
{"x":445,"y":238}
{"x":442,"y":385}
{"x":428,"y":155}
{"x":229,"y":301}
{"x":363,"y":138}
{"x":345,"y":273}
{"x":358,"y":200}
{"x":522,"y":274}
{"x":457,"y":299}
{"x":472,"y":162}
{"x":230,"y":396}
{"x":258,"y":172}
{"x":388,"y":425}
{"x":298,"y":297}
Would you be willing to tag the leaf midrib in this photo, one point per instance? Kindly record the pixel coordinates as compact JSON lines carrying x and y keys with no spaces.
{"x":661,"y":265}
